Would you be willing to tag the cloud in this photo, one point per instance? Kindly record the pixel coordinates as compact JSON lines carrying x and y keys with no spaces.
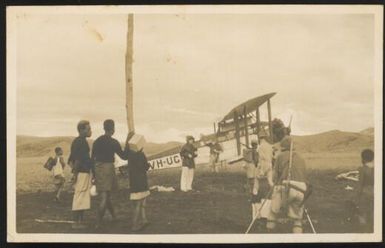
{"x":321,"y":67}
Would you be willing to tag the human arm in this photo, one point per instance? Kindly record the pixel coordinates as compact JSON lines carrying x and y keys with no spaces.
{"x":183,"y":152}
{"x":118,"y":150}
{"x":276,"y":170}
{"x":145,"y":162}
{"x":61,"y":160}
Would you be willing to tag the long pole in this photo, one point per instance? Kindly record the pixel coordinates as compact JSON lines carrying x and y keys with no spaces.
{"x":129,"y":83}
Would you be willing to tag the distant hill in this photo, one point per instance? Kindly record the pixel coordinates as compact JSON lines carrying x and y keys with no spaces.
{"x":30,"y":146}
{"x":332,"y":141}
{"x":368,"y":131}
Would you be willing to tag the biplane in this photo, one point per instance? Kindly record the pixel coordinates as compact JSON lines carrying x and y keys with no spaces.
{"x":233,"y":131}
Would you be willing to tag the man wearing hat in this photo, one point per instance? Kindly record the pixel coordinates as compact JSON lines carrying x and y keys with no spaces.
{"x":263,"y":176}
{"x":290,"y":186}
{"x":188,"y":154}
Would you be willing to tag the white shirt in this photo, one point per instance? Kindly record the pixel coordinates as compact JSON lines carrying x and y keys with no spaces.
{"x":57,"y":168}
{"x":265,"y":152}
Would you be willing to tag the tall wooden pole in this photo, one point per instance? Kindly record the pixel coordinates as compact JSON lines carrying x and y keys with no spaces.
{"x":129,"y":83}
{"x":246,"y":126}
{"x":269,"y":116}
{"x":237,"y":136}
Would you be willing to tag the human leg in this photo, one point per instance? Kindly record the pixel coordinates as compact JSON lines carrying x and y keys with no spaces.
{"x":255,"y":199}
{"x":183,"y":179}
{"x":271,"y":223}
{"x":136,"y":215}
{"x":190,"y":178}
{"x":275,"y":209}
{"x":102,"y":206}
{"x":296,"y":210}
{"x":110,"y":206}
{"x":143,"y":212}
{"x":78,"y":219}
{"x":250,"y":184}
{"x":297,"y":226}
{"x":59,"y":189}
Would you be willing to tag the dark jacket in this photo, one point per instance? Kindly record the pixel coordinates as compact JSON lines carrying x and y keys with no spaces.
{"x":188,"y":154}
{"x":138,"y":167}
{"x":104,"y":149}
{"x":80,"y":156}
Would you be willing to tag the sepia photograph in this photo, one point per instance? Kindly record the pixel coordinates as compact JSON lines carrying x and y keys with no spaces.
{"x":194,"y":123}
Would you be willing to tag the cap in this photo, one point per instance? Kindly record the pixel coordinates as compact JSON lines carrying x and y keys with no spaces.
{"x":189,"y":137}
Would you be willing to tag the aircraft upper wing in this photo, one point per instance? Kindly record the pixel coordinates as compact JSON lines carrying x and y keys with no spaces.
{"x":250,"y":105}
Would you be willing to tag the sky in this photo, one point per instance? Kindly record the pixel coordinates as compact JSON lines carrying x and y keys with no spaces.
{"x":191,"y":70}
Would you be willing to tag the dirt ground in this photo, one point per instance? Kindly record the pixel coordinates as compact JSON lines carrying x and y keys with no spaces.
{"x":219,"y":204}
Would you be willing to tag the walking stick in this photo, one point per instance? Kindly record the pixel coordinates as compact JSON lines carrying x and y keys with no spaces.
{"x":55,"y":221}
{"x":263,"y":203}
{"x":259,"y":211}
{"x":310,"y":222}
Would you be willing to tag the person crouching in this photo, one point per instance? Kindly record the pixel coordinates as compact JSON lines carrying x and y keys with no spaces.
{"x":188,"y":154}
{"x":138,"y":167}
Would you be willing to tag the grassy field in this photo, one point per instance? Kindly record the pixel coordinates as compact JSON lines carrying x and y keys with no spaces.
{"x":220,"y":204}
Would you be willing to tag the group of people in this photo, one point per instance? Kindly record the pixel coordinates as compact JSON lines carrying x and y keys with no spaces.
{"x":97,"y":168}
{"x":279,"y":187}
{"x":276,"y":177}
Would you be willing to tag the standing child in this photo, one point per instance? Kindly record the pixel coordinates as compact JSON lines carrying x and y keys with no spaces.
{"x":365,"y":192}
{"x":138,"y":167}
{"x":58,"y":173}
